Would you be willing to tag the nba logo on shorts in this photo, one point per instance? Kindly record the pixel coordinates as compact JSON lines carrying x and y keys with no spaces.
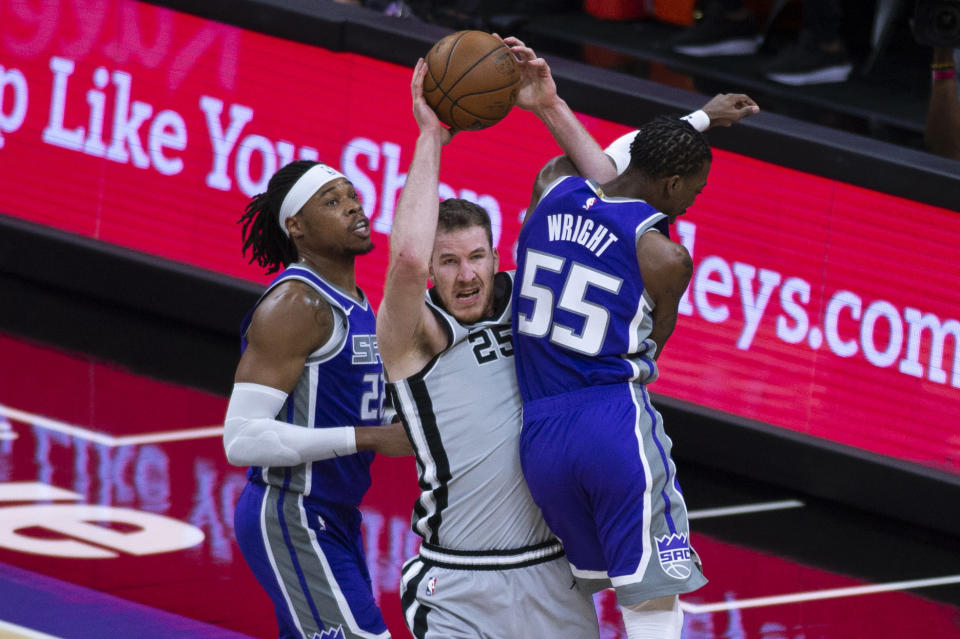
{"x":674,"y":554}
{"x":431,"y":585}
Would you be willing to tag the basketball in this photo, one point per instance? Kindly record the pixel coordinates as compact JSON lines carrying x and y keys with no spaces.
{"x":472,"y":80}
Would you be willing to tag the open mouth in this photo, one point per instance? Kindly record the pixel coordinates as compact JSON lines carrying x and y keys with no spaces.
{"x":468,"y":296}
{"x":361,"y":228}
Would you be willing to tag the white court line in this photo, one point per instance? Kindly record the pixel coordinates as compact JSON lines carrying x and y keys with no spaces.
{"x":13,"y":631}
{"x":746,"y":508}
{"x":108,"y":440}
{"x":833,"y":593}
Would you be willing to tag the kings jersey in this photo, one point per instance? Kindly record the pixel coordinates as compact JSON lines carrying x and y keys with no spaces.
{"x":341,"y":385}
{"x":581,"y":316}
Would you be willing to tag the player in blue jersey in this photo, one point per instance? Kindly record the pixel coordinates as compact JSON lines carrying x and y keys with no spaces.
{"x":597,"y":290}
{"x":306,"y":411}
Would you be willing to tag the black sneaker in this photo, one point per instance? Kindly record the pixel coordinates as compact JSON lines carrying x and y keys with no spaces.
{"x":719,"y":35}
{"x":806,"y":62}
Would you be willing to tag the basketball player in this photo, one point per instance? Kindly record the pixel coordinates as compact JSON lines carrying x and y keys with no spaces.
{"x":306,"y":407}
{"x":488,"y":565}
{"x":598,"y":287}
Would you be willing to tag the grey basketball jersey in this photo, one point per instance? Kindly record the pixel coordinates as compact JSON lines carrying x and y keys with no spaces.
{"x":462,"y":412}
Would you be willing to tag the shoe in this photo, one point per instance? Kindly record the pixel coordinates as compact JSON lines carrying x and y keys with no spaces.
{"x":719,"y":35}
{"x":806,"y":62}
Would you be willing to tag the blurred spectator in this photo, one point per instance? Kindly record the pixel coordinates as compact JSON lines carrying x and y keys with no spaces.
{"x":730,"y":28}
{"x":389,"y":7}
{"x":942,"y":134}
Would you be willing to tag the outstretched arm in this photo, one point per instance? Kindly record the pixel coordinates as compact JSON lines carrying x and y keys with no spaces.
{"x":723,"y":109}
{"x":538,"y":94}
{"x":408,"y":334}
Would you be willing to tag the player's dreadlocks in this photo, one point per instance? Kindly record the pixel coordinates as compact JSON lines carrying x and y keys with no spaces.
{"x":669,"y":146}
{"x":269,"y":245}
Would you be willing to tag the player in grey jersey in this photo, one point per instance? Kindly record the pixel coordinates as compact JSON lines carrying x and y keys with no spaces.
{"x":488,"y":565}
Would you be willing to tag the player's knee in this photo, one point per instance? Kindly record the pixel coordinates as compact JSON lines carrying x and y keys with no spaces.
{"x":659,"y":618}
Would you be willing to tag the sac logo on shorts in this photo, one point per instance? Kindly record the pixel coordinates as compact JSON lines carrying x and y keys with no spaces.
{"x":674,"y":553}
{"x":330,"y":633}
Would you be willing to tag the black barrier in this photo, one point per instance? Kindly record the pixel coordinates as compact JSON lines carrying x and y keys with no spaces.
{"x":612,"y":95}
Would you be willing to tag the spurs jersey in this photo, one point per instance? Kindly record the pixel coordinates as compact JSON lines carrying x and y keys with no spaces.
{"x":341,"y":385}
{"x":580,"y":312}
{"x":462,"y":413}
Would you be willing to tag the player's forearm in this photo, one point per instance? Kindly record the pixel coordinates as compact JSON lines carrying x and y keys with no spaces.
{"x":251,"y":437}
{"x":415,"y":219}
{"x":576,"y":141}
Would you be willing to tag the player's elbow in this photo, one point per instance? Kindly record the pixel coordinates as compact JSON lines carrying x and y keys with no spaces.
{"x":679,"y":259}
{"x":409,"y":265}
{"x":680,"y":264}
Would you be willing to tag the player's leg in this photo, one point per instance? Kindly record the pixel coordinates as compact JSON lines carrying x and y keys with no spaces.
{"x":311,"y":564}
{"x":250,"y":537}
{"x":667,"y":566}
{"x":440,"y":603}
{"x":659,"y":618}
{"x":329,"y":550}
{"x":549,"y":603}
{"x":550,"y":451}
{"x":538,"y":601}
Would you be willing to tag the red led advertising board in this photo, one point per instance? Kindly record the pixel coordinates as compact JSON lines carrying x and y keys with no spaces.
{"x":817,"y":306}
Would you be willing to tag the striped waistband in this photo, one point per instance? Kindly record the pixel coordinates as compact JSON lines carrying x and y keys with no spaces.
{"x":490,"y":559}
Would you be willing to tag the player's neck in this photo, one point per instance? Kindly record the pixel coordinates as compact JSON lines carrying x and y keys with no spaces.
{"x":630,"y":184}
{"x":337,"y":270}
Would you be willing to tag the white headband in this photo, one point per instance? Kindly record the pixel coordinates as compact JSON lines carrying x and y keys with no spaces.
{"x":303,"y":189}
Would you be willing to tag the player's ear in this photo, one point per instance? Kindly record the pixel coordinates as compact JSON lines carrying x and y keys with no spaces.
{"x":294,"y":227}
{"x":496,"y":259}
{"x":671,"y":186}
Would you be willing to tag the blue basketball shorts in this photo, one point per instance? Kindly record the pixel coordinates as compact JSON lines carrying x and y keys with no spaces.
{"x":598,"y":464}
{"x":308,"y":556}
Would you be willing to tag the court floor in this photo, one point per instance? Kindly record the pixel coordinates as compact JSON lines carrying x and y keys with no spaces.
{"x":116,"y":520}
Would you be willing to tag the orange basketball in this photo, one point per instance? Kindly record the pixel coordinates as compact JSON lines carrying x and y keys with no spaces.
{"x":472,"y":80}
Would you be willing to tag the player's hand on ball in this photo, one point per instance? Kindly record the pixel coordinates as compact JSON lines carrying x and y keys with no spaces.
{"x":426,"y":118}
{"x":537,"y":88}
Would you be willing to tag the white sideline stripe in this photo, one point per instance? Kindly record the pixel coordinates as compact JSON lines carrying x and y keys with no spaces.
{"x":746,"y":508}
{"x":813,"y":595}
{"x":13,"y":631}
{"x":108,"y":440}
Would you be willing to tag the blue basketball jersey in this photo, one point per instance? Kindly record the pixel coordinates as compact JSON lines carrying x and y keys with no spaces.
{"x":341,"y":385}
{"x":580,"y":313}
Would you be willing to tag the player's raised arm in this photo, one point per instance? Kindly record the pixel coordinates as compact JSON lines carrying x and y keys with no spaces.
{"x":538,"y":94}
{"x":407,"y":332}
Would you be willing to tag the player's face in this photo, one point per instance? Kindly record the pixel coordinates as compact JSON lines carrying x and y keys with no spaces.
{"x":686,"y":191}
{"x":332,"y":221}
{"x":462,"y":269}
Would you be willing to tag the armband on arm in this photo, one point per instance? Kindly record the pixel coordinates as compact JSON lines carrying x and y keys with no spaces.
{"x":252,"y":437}
{"x":619,"y":149}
